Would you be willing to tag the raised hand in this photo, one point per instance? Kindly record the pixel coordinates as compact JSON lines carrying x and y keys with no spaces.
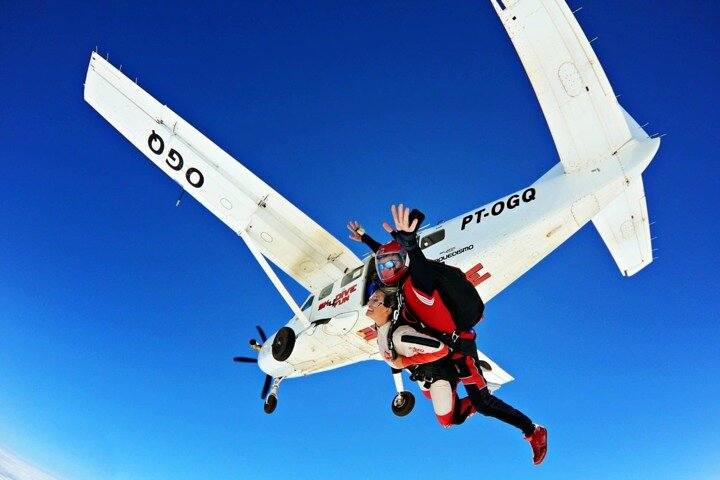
{"x":401,"y":217}
{"x":357,"y":231}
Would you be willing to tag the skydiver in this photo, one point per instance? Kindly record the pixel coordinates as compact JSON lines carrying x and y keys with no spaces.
{"x":401,"y":263}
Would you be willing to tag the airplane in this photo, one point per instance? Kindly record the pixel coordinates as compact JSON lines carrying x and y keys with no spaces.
{"x":602,"y":154}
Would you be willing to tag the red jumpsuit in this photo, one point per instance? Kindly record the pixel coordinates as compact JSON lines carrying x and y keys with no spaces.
{"x":427,"y":306}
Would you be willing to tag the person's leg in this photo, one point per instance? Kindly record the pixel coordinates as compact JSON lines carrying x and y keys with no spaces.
{"x":463,"y":409}
{"x":471,"y":376}
{"x":424,"y":390}
{"x":443,"y":396}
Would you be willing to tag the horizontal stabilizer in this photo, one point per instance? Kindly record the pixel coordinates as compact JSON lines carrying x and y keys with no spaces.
{"x":494,"y":375}
{"x":624,"y":227}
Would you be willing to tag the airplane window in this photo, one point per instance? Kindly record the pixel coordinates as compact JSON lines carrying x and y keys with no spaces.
{"x":308,"y":303}
{"x":432,"y":239}
{"x":325,"y":292}
{"x":351,"y":276}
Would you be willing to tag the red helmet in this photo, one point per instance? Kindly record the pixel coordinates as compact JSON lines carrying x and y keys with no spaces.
{"x":391,"y":262}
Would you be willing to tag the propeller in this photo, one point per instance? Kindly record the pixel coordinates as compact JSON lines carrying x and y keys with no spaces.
{"x":261,"y":332}
{"x":245,"y":360}
{"x":253,"y":343}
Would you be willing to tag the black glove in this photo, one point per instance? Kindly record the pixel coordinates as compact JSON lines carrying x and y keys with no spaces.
{"x":417,"y":214}
{"x":409,"y":239}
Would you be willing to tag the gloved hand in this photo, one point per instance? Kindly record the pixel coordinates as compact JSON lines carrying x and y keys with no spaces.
{"x":406,"y":224}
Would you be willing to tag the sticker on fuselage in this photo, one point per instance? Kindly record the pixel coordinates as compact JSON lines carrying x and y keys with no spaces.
{"x":513,"y":201}
{"x":453,"y":252}
{"x":339,"y":299}
{"x":476,"y":276}
{"x":368,"y":333}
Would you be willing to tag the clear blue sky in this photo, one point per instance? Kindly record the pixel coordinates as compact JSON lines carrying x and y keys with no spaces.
{"x":120,"y":314}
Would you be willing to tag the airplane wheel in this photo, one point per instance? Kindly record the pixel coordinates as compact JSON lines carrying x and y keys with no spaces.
{"x":283,"y":344}
{"x":485,"y":366}
{"x":270,"y":403}
{"x":403,"y":403}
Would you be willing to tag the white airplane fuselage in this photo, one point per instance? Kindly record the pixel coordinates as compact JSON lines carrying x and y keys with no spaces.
{"x":494,"y":245}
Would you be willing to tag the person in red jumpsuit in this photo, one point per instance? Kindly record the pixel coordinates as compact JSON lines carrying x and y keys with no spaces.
{"x":402,"y":263}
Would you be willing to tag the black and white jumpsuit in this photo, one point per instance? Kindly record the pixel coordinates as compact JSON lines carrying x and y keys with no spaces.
{"x":414,"y":349}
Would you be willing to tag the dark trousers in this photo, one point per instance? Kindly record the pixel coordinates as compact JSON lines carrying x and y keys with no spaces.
{"x":467,"y":365}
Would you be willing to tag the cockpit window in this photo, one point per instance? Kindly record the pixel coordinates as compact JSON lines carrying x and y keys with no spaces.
{"x":351,"y":276}
{"x":308,"y":303}
{"x":432,"y":239}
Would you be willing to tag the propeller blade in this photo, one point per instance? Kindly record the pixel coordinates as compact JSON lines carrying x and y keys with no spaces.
{"x":245,"y":360}
{"x":266,"y":386}
{"x":261,"y":332}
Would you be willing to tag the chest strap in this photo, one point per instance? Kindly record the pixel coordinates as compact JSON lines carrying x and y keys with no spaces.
{"x":452,"y":340}
{"x":394,"y":323}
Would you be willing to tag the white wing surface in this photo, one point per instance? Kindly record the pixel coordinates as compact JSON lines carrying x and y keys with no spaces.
{"x":625,"y":229}
{"x":585,"y":119}
{"x":245,"y":203}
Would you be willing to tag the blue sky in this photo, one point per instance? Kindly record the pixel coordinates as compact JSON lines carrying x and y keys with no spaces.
{"x":120,"y":313}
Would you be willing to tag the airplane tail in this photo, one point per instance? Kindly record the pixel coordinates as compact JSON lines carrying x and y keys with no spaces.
{"x":587,"y":123}
{"x":623,"y":224}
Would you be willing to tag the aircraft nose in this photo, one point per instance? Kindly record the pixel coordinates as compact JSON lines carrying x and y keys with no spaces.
{"x":269,"y":365}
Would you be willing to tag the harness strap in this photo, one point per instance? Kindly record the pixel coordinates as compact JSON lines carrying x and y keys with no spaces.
{"x":452,"y":340}
{"x":394,"y":324}
{"x":429,"y":373}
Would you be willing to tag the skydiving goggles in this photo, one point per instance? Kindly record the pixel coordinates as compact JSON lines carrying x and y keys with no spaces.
{"x":387,"y":264}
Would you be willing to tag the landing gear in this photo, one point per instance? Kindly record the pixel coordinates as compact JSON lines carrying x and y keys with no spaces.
{"x":403,"y":403}
{"x":272,"y":399}
{"x":270,"y":403}
{"x":283,"y":344}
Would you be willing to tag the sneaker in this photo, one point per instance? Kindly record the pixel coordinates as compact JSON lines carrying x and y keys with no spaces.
{"x":538,"y":442}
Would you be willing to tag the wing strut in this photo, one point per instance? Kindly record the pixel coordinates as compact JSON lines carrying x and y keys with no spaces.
{"x":274,"y":279}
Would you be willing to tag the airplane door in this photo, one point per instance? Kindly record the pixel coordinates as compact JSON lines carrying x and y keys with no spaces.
{"x":341,"y":324}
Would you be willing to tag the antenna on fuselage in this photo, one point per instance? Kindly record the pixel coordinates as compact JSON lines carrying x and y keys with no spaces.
{"x":182,"y":192}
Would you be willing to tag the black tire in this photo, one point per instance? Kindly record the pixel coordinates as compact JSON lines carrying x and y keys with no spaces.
{"x":283,"y":344}
{"x":485,"y":366}
{"x":403,"y":403}
{"x":270,"y":403}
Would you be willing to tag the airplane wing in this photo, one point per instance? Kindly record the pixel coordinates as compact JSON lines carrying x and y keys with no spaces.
{"x":246,"y":204}
{"x":585,"y":119}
